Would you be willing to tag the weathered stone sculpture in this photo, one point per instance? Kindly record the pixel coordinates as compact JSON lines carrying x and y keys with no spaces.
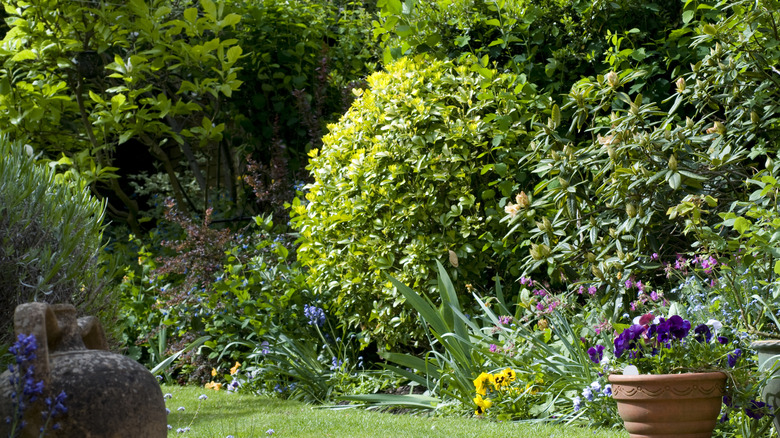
{"x":107,"y":395}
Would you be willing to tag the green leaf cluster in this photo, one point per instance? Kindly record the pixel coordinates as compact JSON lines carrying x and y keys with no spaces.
{"x":303,"y":57}
{"x":97,"y":78}
{"x":418,"y":170}
{"x":257,"y":287}
{"x":623,"y":176}
{"x":553,"y":43}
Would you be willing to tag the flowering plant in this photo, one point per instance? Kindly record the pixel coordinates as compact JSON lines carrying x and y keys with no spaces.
{"x":503,"y":396}
{"x":668,"y":346}
{"x":657,"y":345}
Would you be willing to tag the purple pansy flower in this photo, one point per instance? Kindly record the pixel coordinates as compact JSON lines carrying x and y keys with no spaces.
{"x":732,"y":357}
{"x":703,"y":333}
{"x":596,"y":353}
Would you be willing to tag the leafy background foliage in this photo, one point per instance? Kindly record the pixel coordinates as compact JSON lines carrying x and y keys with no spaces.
{"x":552,"y":155}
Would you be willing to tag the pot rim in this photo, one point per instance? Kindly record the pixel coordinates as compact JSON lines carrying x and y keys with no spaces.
{"x":768,"y":343}
{"x":621,"y":378}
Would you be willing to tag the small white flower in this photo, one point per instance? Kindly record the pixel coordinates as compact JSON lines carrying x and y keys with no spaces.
{"x":596,"y":386}
{"x":715,"y":324}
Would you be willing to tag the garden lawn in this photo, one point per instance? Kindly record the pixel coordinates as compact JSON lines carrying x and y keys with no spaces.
{"x":243,"y":416}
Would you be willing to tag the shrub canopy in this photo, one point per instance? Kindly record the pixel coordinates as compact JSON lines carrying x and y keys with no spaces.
{"x":418,"y":170}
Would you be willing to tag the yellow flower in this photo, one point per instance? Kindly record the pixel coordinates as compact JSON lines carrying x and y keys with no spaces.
{"x":482,"y":404}
{"x":213,"y":372}
{"x":482,"y":382}
{"x":235,"y":368}
{"x":509,"y":374}
{"x":214,"y":386}
{"x":499,"y":380}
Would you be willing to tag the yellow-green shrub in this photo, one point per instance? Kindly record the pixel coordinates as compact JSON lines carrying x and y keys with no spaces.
{"x":418,"y":170}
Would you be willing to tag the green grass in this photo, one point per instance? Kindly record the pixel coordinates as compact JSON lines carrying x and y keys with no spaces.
{"x":245,"y":416}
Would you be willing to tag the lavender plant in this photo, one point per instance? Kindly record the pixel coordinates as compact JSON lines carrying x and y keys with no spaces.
{"x":26,"y":390}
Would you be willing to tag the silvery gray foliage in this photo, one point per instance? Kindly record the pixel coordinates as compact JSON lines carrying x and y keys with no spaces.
{"x":50,"y":237}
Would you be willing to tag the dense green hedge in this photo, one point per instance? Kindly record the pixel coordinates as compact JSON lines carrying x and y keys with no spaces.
{"x":420,"y":169}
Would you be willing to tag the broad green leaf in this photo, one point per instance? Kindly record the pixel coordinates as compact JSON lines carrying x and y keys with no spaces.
{"x":742,"y":225}
{"x":123,"y":137}
{"x":191,"y":15}
{"x":118,"y":100}
{"x":230,"y":20}
{"x":233,"y":54}
{"x":209,"y":8}
{"x":675,"y":180}
{"x":556,"y":116}
{"x":95,"y":97}
{"x":24,"y":55}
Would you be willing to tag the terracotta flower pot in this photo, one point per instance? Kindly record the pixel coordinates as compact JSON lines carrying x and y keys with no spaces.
{"x":669,"y":405}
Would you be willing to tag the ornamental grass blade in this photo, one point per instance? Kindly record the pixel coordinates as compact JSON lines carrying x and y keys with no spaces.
{"x":423,"y":381}
{"x":162,"y":366}
{"x":421,"y":305}
{"x":403,"y":400}
{"x":415,"y":363}
{"x":449,"y":299}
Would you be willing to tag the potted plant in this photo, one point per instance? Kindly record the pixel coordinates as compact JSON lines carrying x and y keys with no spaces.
{"x":671,"y":380}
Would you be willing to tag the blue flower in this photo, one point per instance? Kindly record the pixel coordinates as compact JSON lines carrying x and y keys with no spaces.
{"x":315,"y":314}
{"x":587,"y":393}
{"x":576,"y":401}
{"x":732,"y":357}
{"x":673,"y":328}
{"x":757,"y":409}
{"x":627,"y":339}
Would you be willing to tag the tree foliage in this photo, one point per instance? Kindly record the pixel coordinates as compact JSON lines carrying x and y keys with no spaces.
{"x":87,"y":79}
{"x":622,"y":178}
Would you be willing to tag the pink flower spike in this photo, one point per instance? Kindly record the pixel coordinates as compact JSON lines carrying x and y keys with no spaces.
{"x":629,"y":283}
{"x":640,"y":286}
{"x":654,"y":256}
{"x":592,"y":290}
{"x":493,"y":348}
{"x":654,"y":296}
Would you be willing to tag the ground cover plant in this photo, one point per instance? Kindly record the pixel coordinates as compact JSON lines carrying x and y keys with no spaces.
{"x":510,"y":200}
